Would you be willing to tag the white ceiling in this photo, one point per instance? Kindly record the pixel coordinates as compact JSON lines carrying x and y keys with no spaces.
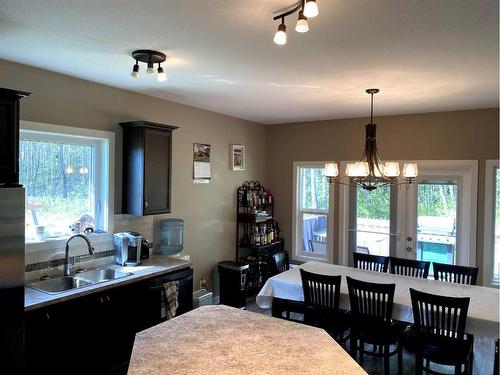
{"x":424,"y":55}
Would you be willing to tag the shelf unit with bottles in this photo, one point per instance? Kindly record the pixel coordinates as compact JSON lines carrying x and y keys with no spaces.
{"x":258,"y":236}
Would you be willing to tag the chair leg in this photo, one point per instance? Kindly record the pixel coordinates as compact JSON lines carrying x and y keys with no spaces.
{"x":419,"y":364}
{"x":387,"y":359}
{"x":361,"y":351}
{"x":353,"y":346}
{"x":458,"y":369}
{"x":400,"y":359}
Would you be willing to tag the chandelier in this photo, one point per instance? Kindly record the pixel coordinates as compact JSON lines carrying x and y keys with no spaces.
{"x":306,"y":9}
{"x":149,"y":57}
{"x":370,"y":172}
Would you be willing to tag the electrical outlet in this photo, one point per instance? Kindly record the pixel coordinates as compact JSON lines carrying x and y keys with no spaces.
{"x":203,"y":283}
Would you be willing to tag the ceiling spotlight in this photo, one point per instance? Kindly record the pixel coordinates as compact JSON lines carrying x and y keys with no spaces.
{"x":150,"y":58}
{"x":302,"y":26}
{"x":280,"y":36}
{"x":150,"y":69}
{"x":311,"y":8}
{"x":135,"y":70}
{"x":161,"y":74}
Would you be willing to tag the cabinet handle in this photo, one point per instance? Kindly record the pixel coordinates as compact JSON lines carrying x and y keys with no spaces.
{"x":47,"y":316}
{"x":107,"y":298}
{"x":146,"y":203}
{"x":101,"y":300}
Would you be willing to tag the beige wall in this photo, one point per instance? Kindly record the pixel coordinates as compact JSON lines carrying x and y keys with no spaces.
{"x":460,"y":135}
{"x":208,"y":210}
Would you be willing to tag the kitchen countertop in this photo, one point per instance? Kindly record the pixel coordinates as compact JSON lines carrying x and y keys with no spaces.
{"x":225,"y":340}
{"x":156,"y":265}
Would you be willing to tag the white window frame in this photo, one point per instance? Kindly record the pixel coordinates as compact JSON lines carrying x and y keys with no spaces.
{"x":297,"y":254}
{"x":103,"y":175}
{"x":489,"y":223}
{"x":466,"y":210}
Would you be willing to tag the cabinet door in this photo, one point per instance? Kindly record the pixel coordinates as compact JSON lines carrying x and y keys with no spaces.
{"x":157,"y":167}
{"x":9,"y":141}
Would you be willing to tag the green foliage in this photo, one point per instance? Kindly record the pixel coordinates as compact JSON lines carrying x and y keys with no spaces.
{"x":373,"y":204}
{"x":315,"y":188}
{"x":437,"y":199}
{"x":57,"y":177}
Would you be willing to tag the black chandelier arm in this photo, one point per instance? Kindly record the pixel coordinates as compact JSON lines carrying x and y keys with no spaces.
{"x":291,"y":11}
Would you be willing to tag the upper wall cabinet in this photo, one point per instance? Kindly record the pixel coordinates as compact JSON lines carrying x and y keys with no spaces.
{"x":147,"y":167}
{"x":9,"y":136}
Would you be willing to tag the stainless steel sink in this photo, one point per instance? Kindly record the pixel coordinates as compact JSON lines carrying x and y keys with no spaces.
{"x":65,"y":283}
{"x":102,"y":275}
{"x":60,"y":284}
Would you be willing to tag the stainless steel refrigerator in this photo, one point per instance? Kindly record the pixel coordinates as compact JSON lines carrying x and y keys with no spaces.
{"x":11,"y":280}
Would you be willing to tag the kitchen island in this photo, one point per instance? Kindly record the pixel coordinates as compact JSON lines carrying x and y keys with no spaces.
{"x":225,"y":340}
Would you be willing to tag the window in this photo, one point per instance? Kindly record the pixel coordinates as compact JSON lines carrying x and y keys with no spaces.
{"x":65,"y":173}
{"x":437,"y":221}
{"x":372,"y":216}
{"x":432,"y":219}
{"x":311,"y":212}
{"x":492,"y":224}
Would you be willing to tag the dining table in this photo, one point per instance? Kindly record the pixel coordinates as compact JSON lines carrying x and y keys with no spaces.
{"x":482,"y":318}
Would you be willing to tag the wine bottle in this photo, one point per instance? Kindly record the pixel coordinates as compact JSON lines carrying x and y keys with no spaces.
{"x":257,"y":236}
{"x":278,"y":232}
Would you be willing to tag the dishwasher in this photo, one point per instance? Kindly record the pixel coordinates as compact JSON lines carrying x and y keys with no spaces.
{"x":152,"y":299}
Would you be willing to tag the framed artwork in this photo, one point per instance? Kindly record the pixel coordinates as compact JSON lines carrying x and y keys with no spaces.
{"x":238,"y":157}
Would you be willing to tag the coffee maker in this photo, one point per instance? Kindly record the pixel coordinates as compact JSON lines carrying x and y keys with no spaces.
{"x":128,"y":248}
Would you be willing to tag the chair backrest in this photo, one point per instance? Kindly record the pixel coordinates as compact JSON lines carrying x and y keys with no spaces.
{"x":439,"y":315}
{"x":318,"y":246}
{"x":321,"y":290}
{"x":409,"y":267}
{"x":455,"y":274}
{"x":371,"y":300}
{"x":280,"y":262}
{"x":370,"y":262}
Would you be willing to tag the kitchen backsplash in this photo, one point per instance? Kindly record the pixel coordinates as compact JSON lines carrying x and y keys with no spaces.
{"x":51,"y":262}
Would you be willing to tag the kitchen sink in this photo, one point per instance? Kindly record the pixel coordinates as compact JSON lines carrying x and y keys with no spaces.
{"x":102,"y":275}
{"x":83,"y":279}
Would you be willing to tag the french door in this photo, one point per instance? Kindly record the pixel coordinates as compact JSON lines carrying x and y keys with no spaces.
{"x":433,"y":219}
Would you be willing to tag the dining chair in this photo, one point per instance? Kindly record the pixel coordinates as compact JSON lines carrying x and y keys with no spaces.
{"x":409,"y":267}
{"x":370,"y":262}
{"x":318,"y":246}
{"x":322,"y":295}
{"x":287,"y":309}
{"x":497,"y":358}
{"x":280,"y":263}
{"x":372,"y":323}
{"x":455,"y":274}
{"x":440,"y":332}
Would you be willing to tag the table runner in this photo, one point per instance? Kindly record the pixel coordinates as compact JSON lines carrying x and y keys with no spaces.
{"x":483,"y":315}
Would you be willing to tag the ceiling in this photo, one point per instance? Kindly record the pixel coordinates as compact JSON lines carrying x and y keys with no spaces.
{"x":424,"y":55}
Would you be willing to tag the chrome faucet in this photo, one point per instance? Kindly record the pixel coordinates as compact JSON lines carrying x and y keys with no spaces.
{"x":67,"y":265}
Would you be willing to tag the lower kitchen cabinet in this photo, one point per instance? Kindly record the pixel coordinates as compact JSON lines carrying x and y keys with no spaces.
{"x":94,"y":334}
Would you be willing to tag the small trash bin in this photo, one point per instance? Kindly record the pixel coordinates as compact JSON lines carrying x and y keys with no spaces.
{"x":233,"y":281}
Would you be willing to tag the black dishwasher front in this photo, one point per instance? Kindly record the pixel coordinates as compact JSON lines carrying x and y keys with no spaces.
{"x":153,"y":295}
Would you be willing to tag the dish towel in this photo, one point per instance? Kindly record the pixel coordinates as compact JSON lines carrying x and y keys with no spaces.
{"x":169,"y":300}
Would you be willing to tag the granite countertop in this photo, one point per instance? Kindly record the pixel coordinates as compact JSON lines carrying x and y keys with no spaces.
{"x":225,"y":340}
{"x":156,"y":265}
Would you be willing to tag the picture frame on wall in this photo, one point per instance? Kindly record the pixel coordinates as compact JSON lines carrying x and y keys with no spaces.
{"x":238,"y":158}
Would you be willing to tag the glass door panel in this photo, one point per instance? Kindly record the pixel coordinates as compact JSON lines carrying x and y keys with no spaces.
{"x":372,"y":221}
{"x":437,"y":221}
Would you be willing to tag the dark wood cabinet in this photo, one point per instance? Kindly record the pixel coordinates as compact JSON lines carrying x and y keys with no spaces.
{"x":9,"y":136}
{"x":147,"y":167}
{"x":94,"y":334}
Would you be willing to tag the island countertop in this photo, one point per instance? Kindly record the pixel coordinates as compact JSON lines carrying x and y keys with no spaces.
{"x":156,"y":265}
{"x":225,"y":340}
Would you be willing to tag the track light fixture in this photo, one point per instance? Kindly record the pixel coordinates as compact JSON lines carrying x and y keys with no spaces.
{"x":306,"y":8}
{"x":150,"y":58}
